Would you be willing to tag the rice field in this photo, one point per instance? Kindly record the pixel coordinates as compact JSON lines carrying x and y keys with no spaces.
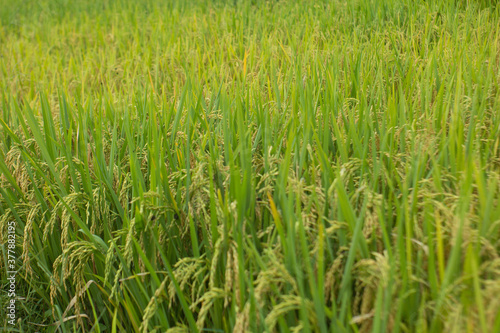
{"x":250,"y":166}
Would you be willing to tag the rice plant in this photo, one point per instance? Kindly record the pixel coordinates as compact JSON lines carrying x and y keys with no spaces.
{"x":250,"y":166}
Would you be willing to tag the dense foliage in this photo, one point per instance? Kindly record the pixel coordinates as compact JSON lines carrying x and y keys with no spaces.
{"x":315,"y":166}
